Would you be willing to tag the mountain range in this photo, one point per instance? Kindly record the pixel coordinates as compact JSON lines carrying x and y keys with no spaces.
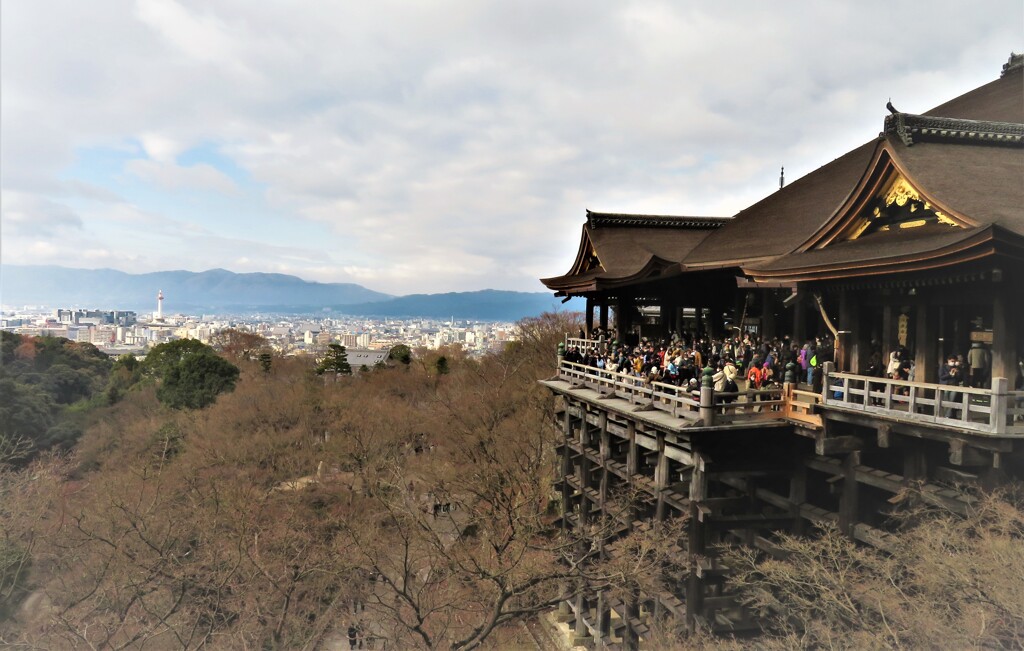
{"x":221,"y":291}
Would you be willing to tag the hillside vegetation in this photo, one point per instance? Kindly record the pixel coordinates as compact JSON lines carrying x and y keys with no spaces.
{"x":413,"y":504}
{"x":46,"y":385}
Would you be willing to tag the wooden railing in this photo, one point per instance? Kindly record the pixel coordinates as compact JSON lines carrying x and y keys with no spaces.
{"x":995,"y":410}
{"x":600,"y":345}
{"x":665,"y":397}
{"x":705,"y":405}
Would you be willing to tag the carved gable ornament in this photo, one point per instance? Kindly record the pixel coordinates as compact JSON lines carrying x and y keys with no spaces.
{"x":898,"y":207}
{"x":590,"y":260}
{"x":885,"y":200}
{"x":586,"y":258}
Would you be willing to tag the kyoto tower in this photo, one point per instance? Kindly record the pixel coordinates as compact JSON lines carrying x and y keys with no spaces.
{"x":160,"y":305}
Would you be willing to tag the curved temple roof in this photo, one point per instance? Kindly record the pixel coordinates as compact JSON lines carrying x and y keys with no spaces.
{"x":618,"y":249}
{"x":964,"y":160}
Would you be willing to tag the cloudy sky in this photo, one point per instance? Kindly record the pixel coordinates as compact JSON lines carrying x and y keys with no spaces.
{"x":437,"y":145}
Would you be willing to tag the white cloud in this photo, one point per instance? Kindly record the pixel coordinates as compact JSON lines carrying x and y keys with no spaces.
{"x":173,"y":177}
{"x":160,"y":148}
{"x":443,"y":145}
{"x":30,"y":216}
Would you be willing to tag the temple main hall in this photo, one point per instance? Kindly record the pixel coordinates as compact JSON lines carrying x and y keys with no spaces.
{"x":879,"y":300}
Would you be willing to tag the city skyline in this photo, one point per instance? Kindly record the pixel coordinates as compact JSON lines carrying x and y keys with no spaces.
{"x":443,"y":148}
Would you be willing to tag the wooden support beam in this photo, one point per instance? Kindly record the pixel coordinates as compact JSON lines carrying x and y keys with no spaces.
{"x":874,"y":537}
{"x":921,"y":431}
{"x":749,"y":521}
{"x":961,"y":454}
{"x":884,"y":435}
{"x":957,"y":477}
{"x":837,"y":444}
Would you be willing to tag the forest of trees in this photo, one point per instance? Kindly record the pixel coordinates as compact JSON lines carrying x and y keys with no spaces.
{"x":413,"y":503}
{"x":46,"y":385}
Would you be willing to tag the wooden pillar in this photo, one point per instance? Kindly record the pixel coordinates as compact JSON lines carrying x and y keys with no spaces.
{"x":566,"y":467}
{"x":624,"y":317}
{"x":1005,"y":332}
{"x":889,"y":324}
{"x":603,"y":318}
{"x":632,"y":463}
{"x":563,"y":614}
{"x":915,"y":463}
{"x":797,"y":496}
{"x":843,"y":345}
{"x":581,"y":635}
{"x":767,"y":314}
{"x":926,"y":343}
{"x":856,"y":344}
{"x":848,"y":502}
{"x":661,"y":478}
{"x":667,"y":316}
{"x":632,"y":460}
{"x":583,"y":470}
{"x":694,"y":584}
{"x":630,"y":639}
{"x":605,"y":455}
{"x":604,"y":615}
{"x":590,"y":316}
{"x":715,"y":326}
{"x":800,"y":321}
{"x":740,"y":304}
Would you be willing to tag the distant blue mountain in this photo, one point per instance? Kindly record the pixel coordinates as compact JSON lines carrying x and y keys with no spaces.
{"x":487,"y":304}
{"x":220,"y":291}
{"x":184,"y":291}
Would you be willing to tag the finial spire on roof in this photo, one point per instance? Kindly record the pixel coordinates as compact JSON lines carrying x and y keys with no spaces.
{"x":782,"y":176}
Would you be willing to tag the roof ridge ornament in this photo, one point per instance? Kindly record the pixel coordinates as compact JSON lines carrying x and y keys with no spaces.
{"x":911,"y":128}
{"x":1015,"y":62}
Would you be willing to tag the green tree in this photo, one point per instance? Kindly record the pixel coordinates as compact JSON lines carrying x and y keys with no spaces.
{"x":25,"y":411}
{"x":163,"y":357}
{"x":441,"y":365}
{"x":401,"y":353}
{"x":66,"y":384}
{"x":196,"y":381}
{"x":266,"y":361}
{"x":335,"y":361}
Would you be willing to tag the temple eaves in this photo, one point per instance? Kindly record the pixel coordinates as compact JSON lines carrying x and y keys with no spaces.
{"x":912,"y":128}
{"x":600,"y":219}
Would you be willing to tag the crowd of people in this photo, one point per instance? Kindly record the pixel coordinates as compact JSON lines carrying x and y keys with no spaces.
{"x":679,"y":360}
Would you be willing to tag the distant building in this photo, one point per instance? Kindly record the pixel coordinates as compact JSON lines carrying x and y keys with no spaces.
{"x":361,"y":357}
{"x":96,"y":317}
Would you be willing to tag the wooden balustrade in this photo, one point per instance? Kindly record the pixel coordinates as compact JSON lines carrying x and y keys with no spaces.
{"x":995,"y":410}
{"x":600,"y":345}
{"x":679,"y":401}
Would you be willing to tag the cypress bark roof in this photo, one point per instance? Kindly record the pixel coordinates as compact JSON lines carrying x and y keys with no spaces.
{"x":617,"y":249}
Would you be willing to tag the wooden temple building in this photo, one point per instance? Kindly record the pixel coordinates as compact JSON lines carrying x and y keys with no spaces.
{"x":914,"y":240}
